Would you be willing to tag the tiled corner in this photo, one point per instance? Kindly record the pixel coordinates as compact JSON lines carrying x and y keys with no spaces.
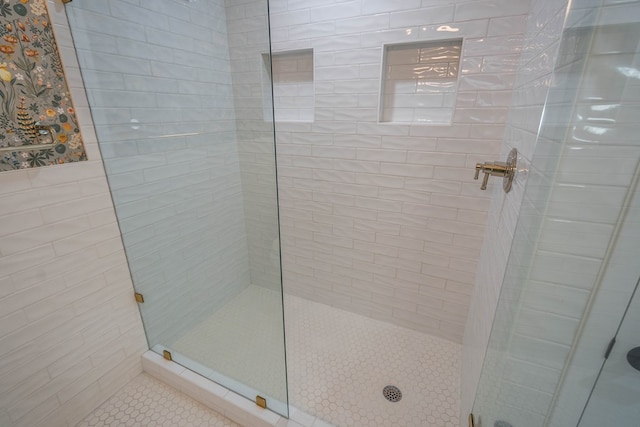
{"x":529,"y":95}
{"x":370,"y":206}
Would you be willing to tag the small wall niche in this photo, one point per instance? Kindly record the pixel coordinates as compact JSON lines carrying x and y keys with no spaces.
{"x":419,"y":82}
{"x":292,"y":80}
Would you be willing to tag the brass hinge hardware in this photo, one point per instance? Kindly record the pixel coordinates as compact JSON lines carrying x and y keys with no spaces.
{"x":66,"y":1}
{"x":609,"y":348}
{"x":139,"y":298}
{"x":167,"y":355}
{"x":261,"y":402}
{"x":471,"y":421}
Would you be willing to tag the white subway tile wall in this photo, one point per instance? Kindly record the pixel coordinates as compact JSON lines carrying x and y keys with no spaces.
{"x":381,"y":220}
{"x":384,"y":219}
{"x":549,"y":278}
{"x":161,"y":96}
{"x":247,"y":29}
{"x":534,"y":70}
{"x":70,"y":333}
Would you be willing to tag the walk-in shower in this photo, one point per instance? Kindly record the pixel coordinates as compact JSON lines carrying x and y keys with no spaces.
{"x":370,"y":247}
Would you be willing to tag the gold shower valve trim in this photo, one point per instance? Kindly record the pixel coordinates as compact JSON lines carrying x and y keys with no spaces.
{"x":507,"y":170}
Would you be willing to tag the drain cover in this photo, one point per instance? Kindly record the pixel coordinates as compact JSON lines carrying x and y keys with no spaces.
{"x":392,"y":393}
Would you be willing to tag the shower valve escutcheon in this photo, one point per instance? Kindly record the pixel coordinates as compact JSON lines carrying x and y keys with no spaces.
{"x":507,"y":170}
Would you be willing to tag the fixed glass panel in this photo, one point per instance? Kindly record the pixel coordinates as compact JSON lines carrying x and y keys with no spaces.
{"x":177,"y":107}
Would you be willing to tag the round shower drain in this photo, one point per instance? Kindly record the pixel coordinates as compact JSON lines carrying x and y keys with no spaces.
{"x":392,"y":393}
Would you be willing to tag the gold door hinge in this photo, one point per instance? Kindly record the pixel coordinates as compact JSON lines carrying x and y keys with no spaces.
{"x":471,"y":421}
{"x":139,"y":298}
{"x":167,"y":355}
{"x":66,"y":1}
{"x":261,"y":402}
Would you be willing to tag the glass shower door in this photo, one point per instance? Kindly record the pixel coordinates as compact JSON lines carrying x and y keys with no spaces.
{"x":179,"y":110}
{"x":615,"y":399}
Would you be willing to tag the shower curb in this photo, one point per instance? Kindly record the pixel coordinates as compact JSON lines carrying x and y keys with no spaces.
{"x":220,"y":399}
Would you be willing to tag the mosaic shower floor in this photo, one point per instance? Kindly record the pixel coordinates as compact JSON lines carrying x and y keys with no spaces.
{"x":146,"y":402}
{"x":338,"y":362}
{"x":243,"y":340}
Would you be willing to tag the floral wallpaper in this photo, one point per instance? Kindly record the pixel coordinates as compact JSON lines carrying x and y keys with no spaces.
{"x":33,"y":91}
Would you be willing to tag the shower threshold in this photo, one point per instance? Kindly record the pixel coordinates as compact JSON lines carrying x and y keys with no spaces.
{"x":222,"y":400}
{"x":225,"y":381}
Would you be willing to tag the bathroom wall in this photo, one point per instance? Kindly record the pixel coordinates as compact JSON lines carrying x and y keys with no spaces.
{"x":158,"y":78}
{"x":70,"y":331}
{"x":566,"y":224}
{"x":572,"y":263}
{"x":248,"y":30}
{"x":385,"y":219}
{"x":534,"y":76}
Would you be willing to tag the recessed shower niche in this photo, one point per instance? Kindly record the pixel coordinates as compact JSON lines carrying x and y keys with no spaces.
{"x":419,"y":82}
{"x":293,"y":94}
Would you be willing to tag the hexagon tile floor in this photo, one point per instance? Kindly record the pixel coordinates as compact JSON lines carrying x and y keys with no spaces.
{"x":147,"y":402}
{"x":337,"y":362}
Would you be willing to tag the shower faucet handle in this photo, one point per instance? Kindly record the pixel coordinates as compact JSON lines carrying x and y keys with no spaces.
{"x":507,"y":170}
{"x":487,"y":169}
